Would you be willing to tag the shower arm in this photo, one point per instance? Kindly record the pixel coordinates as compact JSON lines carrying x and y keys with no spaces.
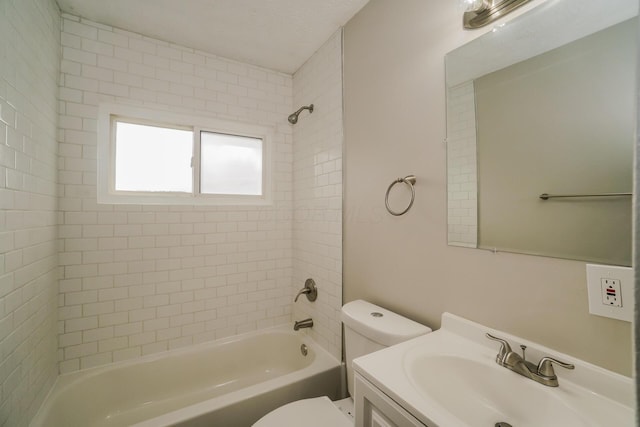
{"x":304,"y":107}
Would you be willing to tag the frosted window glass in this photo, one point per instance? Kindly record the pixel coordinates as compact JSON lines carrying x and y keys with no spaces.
{"x":152,"y":158}
{"x":230,"y":164}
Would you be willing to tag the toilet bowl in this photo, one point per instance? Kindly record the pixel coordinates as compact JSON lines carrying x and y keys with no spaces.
{"x":314,"y":412}
{"x":367,"y":328}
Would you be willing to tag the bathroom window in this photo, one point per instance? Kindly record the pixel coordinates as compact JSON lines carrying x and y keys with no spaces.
{"x":152,"y":158}
{"x":144,"y":157}
{"x":230,"y":164}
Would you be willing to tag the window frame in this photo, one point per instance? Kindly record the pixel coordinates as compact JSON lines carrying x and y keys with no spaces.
{"x":110,"y":114}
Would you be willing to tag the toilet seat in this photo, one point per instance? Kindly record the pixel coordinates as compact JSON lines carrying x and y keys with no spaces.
{"x":315,"y":412}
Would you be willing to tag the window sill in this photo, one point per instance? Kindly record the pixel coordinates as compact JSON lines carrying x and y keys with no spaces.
{"x":180,"y":200}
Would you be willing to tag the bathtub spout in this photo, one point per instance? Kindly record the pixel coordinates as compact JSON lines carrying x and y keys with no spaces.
{"x":306,"y":323}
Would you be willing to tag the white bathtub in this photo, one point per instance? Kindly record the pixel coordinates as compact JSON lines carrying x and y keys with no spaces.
{"x":230,"y":382}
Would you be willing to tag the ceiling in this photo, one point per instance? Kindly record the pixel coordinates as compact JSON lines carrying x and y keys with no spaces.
{"x":276,"y":34}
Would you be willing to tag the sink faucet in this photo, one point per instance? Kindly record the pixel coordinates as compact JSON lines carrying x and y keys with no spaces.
{"x":542,"y":373}
{"x":306,"y":323}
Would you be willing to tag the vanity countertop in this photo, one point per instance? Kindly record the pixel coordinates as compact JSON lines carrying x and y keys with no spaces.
{"x":450,"y":378}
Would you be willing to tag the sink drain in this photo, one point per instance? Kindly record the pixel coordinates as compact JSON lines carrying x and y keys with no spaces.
{"x":503,"y":424}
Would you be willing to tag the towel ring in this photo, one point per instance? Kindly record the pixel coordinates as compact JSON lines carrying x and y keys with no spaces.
{"x":410,"y":180}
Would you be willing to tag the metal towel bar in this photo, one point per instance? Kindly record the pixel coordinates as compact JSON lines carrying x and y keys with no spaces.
{"x":546,"y":196}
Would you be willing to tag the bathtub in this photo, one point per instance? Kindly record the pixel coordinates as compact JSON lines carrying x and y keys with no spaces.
{"x":225,"y":383}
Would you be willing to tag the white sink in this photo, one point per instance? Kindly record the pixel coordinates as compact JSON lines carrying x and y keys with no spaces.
{"x":490,"y":393}
{"x":449,"y":378}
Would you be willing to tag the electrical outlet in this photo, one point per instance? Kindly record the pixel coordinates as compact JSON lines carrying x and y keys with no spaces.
{"x":611,"y":294}
{"x":610,"y":291}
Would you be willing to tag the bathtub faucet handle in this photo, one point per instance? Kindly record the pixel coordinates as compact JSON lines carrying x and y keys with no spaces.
{"x":309,"y":290}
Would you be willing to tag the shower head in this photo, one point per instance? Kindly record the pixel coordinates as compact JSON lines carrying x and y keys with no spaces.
{"x":293,"y":118}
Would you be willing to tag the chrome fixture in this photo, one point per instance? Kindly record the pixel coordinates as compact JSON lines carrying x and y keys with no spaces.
{"x":293,"y":118}
{"x":547,"y":196}
{"x":304,"y":349}
{"x":543,"y":373}
{"x":482,"y":12}
{"x":309,"y":290}
{"x":410,"y":180}
{"x":306,"y":323}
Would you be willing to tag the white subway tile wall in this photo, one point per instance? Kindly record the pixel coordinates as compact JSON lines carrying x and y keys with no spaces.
{"x":462,"y":185}
{"x":139,"y":279}
{"x":29,"y":69}
{"x":317,"y":189}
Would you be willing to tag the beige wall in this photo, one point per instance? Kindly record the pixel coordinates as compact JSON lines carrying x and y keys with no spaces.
{"x":395,"y":126}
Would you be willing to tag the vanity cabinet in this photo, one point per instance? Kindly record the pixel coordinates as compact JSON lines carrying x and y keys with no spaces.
{"x":373,"y":408}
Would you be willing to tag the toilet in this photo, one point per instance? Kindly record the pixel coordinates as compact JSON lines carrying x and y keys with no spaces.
{"x":367,"y":328}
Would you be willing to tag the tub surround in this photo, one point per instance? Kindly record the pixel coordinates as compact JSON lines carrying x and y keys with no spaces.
{"x":29,"y":69}
{"x":140,"y":279}
{"x":317,"y":192}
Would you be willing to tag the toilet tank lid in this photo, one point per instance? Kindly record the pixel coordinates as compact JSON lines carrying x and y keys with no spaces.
{"x":380,"y":325}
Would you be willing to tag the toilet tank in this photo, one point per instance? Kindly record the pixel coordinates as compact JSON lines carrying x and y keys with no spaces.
{"x":368,"y":328}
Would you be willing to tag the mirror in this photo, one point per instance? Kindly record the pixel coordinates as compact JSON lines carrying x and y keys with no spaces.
{"x":545,"y":104}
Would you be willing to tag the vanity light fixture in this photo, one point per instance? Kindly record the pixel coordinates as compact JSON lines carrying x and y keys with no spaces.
{"x":479,"y":13}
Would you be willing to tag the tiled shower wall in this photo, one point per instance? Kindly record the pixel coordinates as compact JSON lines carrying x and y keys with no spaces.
{"x":317,"y":187}
{"x":29,"y":68}
{"x":142,"y":279}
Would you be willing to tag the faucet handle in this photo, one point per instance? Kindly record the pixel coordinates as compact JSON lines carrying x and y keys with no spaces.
{"x":302,"y":291}
{"x":505,"y":348}
{"x":545,"y":367}
{"x":309,"y":290}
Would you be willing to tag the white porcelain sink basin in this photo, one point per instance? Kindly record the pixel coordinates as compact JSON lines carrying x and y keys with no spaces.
{"x":449,"y":378}
{"x":490,"y":394}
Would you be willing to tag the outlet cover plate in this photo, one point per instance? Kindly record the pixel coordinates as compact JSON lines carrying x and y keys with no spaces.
{"x":595,"y":274}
